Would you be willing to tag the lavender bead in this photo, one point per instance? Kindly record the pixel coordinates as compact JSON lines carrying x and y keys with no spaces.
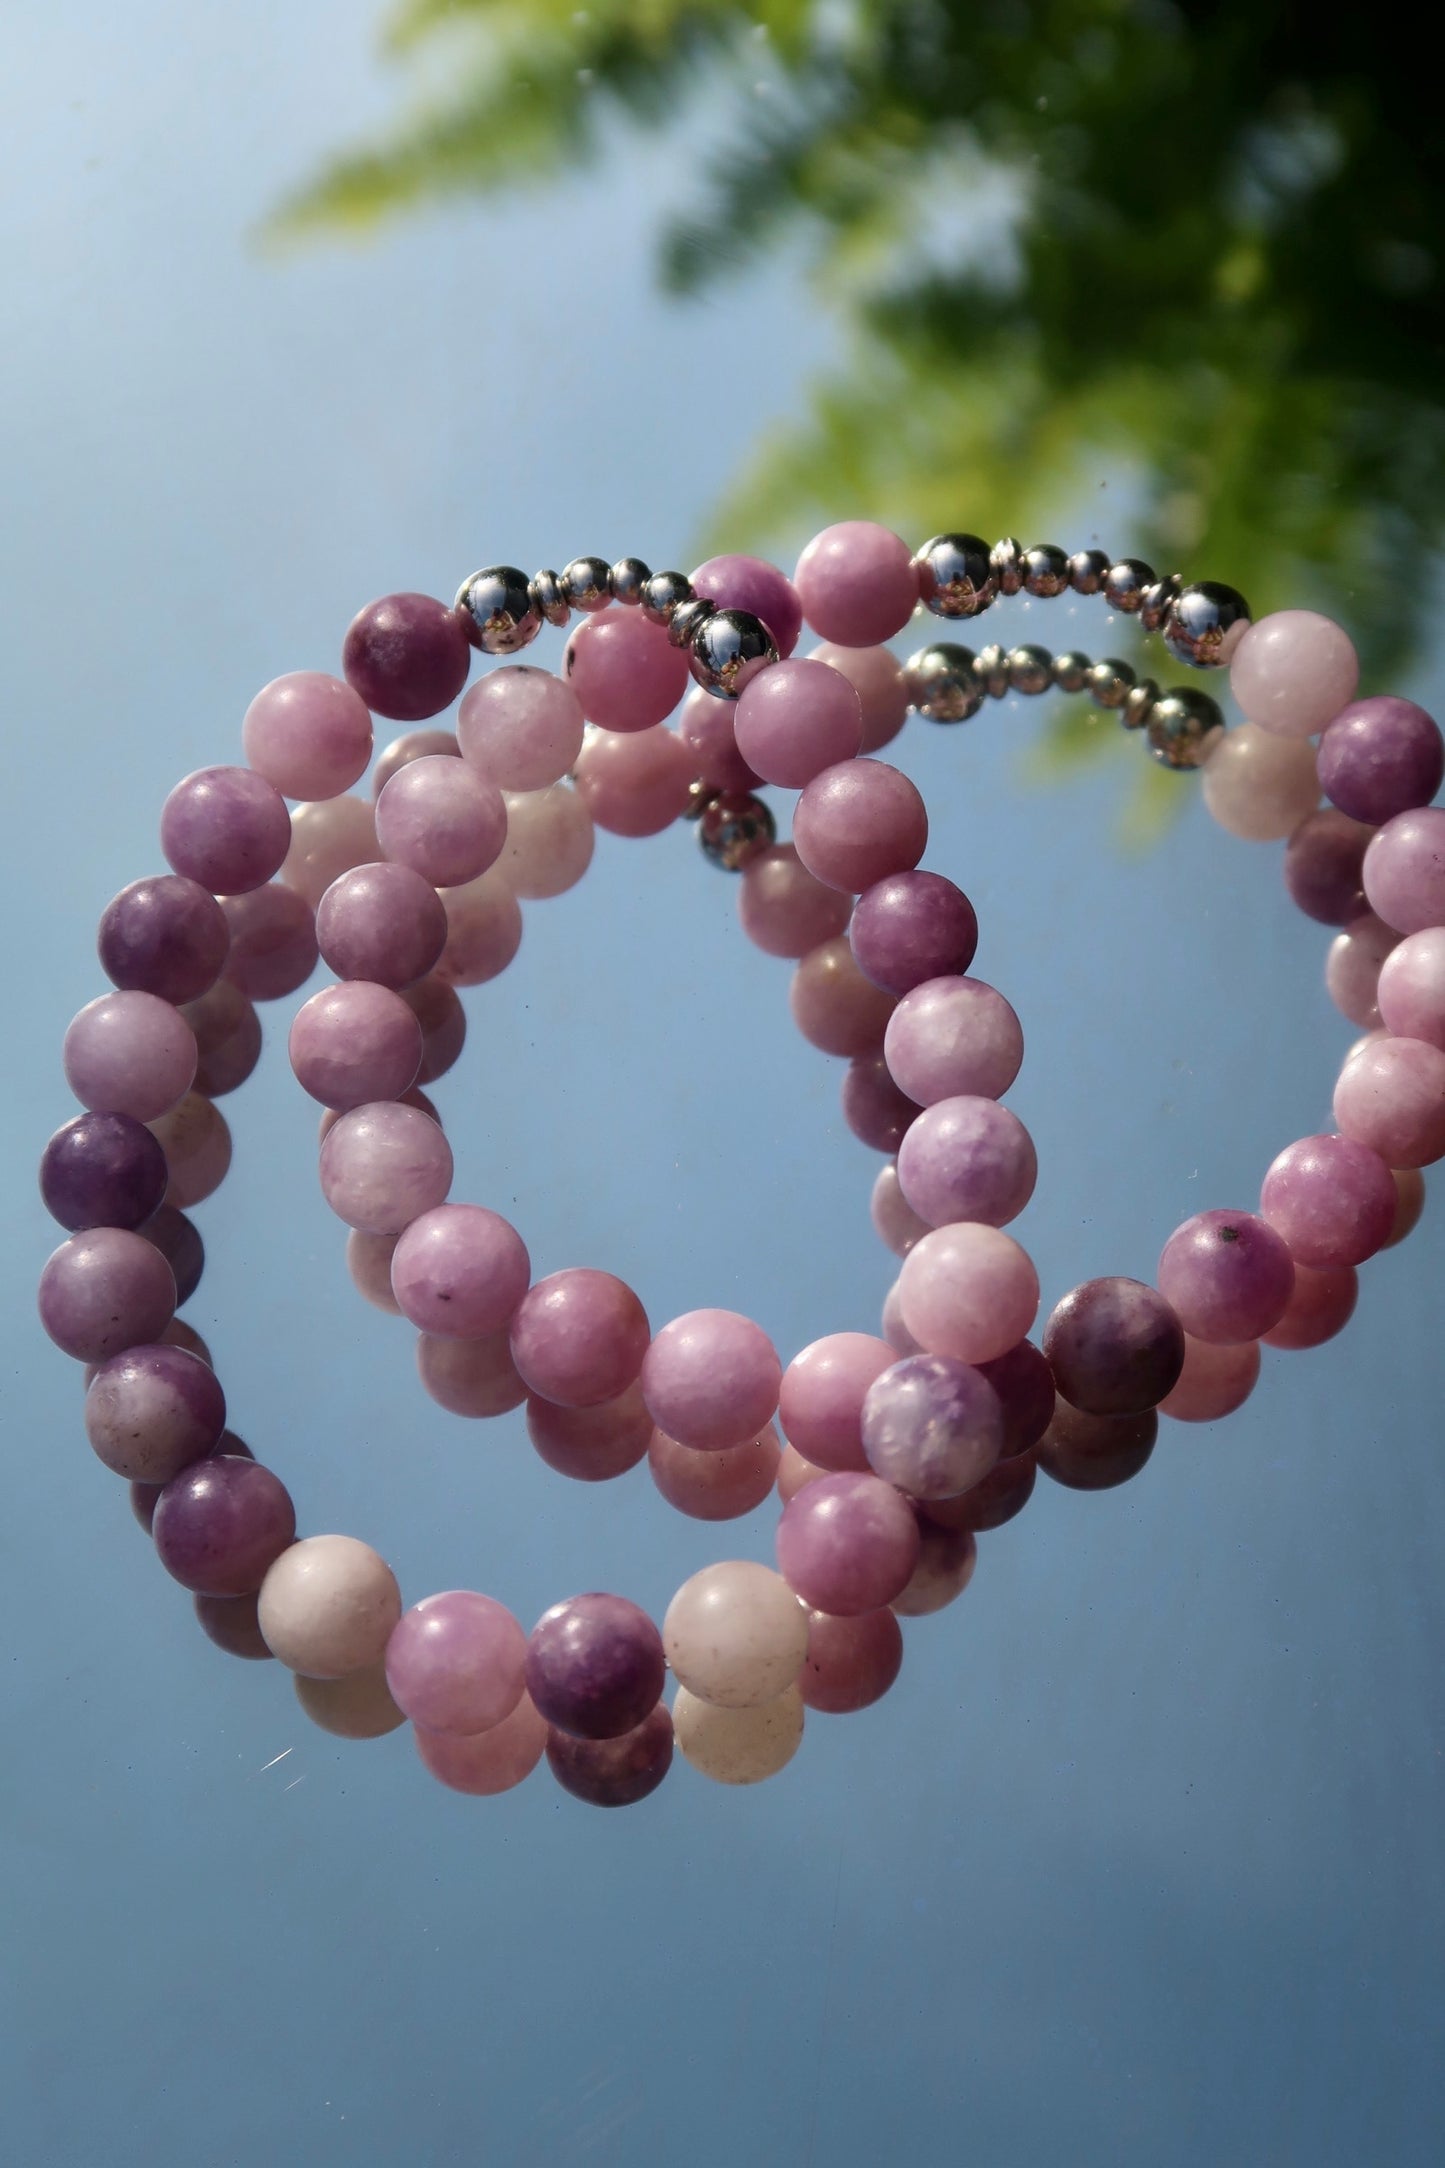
{"x":1410,"y":993}
{"x":179,"y":1241}
{"x":967,"y":1159}
{"x":454,"y":1662}
{"x":460,"y":1271}
{"x":847,"y":1543}
{"x":1391,"y":1097}
{"x":151,"y":1411}
{"x":381,"y":922}
{"x":782,"y":909}
{"x":1095,"y":1452}
{"x":954,"y":1037}
{"x":411,"y":745}
{"x":876,"y":1111}
{"x":438,"y":1009}
{"x":851,"y":1662}
{"x":834,"y":1006}
{"x":1227,"y":1274}
{"x":165,"y":936}
{"x":1352,"y":968}
{"x":895,"y":1222}
{"x":1404,"y":871}
{"x":895,"y":1332}
{"x":382,"y":1166}
{"x":877,"y":676}
{"x":354,"y":1044}
{"x":129,"y":1053}
{"x":594,"y":1444}
{"x":1323,"y":867}
{"x":1115,"y":1347}
{"x":1380,"y":757}
{"x":595,"y":1666}
{"x":794,"y":719}
{"x":711,"y":1379}
{"x":752,"y":584}
{"x":579,"y":1337}
{"x":475,"y":1378}
{"x":225,"y":829}
{"x":407,"y":656}
{"x":327,"y":840}
{"x":220,"y":1525}
{"x":491,"y":1762}
{"x":859,"y":822}
{"x":273,"y":941}
{"x":613,"y":1772}
{"x":103,"y":1291}
{"x":946,"y":1561}
{"x":227,"y":1032}
{"x":231,"y":1622}
{"x":821,"y":1400}
{"x":969,"y":1291}
{"x":520,"y":727}
{"x":102,"y":1170}
{"x":910,"y":928}
{"x":1320,"y":1305}
{"x":1332,"y":1200}
{"x":308,"y":734}
{"x":931,"y":1426}
{"x":443,"y":819}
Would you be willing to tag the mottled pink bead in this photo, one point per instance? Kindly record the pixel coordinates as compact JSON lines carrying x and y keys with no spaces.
{"x":834,"y":1006}
{"x":381,"y":922}
{"x":711,"y":1378}
{"x":407,"y":656}
{"x":150,"y":1411}
{"x":847,"y":1543}
{"x":876,"y":1111}
{"x":613,"y":1772}
{"x":932,"y":1426}
{"x":488,"y":1762}
{"x":196,"y":1139}
{"x":968,"y":1291}
{"x":1215,"y":1380}
{"x":1115,"y":1347}
{"x":368,"y":1262}
{"x":951,"y":1038}
{"x":794,"y":719}
{"x":484,"y":930}
{"x":454,"y":1662}
{"x":1352,"y":968}
{"x":895,"y":1222}
{"x":946,"y":1561}
{"x":226,"y":829}
{"x":166,"y":936}
{"x":820,"y":1404}
{"x":719,"y":1486}
{"x":382,"y":1166}
{"x":328,"y":838}
{"x":105,"y":1290}
{"x":272,"y":941}
{"x":851,"y":1662}
{"x":475,"y":1378}
{"x":856,"y":583}
{"x":876,"y":675}
{"x":1380,"y":757}
{"x":354,"y":1043}
{"x":438,"y":1009}
{"x":1391,"y":1097}
{"x":910,"y":928}
{"x":592,"y":1444}
{"x":1320,"y":1305}
{"x":705,"y":727}
{"x":752,"y":584}
{"x":441,"y":818}
{"x":1323,"y":866}
{"x":520,"y":727}
{"x":221,"y":1524}
{"x":1095,"y":1452}
{"x":579,"y":1336}
{"x":1293,"y":671}
{"x":859,"y":822}
{"x":595,"y":1665}
{"x":129,"y":1053}
{"x":308,"y":734}
{"x":1227,"y":1275}
{"x":1411,"y":991}
{"x":967,"y":1158}
{"x":782,"y":909}
{"x":460,"y":1271}
{"x":1332,"y":1200}
{"x":634,"y":783}
{"x":228,"y":1038}
{"x":624,"y":671}
{"x":1404,"y":871}
{"x":411,"y":745}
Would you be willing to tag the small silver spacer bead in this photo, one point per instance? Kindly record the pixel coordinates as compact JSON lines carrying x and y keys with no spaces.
{"x":955,"y":576}
{"x":1125,"y":583}
{"x":1071,"y":671}
{"x":728,"y":648}
{"x":497,"y":606}
{"x":1205,"y":623}
{"x":1184,"y":726}
{"x":942,"y":682}
{"x":1156,"y":602}
{"x":546,"y":592}
{"x":586,"y":583}
{"x":1087,"y":569}
{"x":1046,"y":571}
{"x":1030,"y":669}
{"x":991,"y":669}
{"x":733,"y":827}
{"x":627,"y":578}
{"x":1007,"y":559}
{"x":661,"y":594}
{"x":1138,"y":704}
{"x":687,"y":620}
{"x":1110,"y":682}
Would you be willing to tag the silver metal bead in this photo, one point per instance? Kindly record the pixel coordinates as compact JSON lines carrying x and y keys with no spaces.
{"x":1125,"y":582}
{"x":1087,"y":569}
{"x":1007,"y":559}
{"x":955,"y":577}
{"x":1156,"y":601}
{"x":498,"y":609}
{"x":1183,"y":726}
{"x":991,"y":669}
{"x":627,"y":579}
{"x":1046,"y":571}
{"x":728,"y":648}
{"x":1205,"y":623}
{"x":661,"y":594}
{"x":1071,"y":671}
{"x":1110,"y":682}
{"x":586,"y":583}
{"x":733,"y":827}
{"x":1138,"y":704}
{"x":687,"y":619}
{"x":1030,"y":669}
{"x":942,"y":682}
{"x":546,"y":591}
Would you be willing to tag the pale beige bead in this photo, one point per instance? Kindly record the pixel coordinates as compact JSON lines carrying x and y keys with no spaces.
{"x":328,"y":1605}
{"x":328,"y":838}
{"x":549,"y":844}
{"x":368,"y":1260}
{"x":795,"y":1473}
{"x":738,"y":1746}
{"x":356,"y":1707}
{"x":735,"y":1634}
{"x":1259,"y":785}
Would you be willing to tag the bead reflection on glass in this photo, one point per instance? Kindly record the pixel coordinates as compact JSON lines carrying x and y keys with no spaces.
{"x":1071,"y":671}
{"x":1110,"y":682}
{"x":1087,"y":571}
{"x":1157,"y":600}
{"x":1007,"y":559}
{"x":662,"y":593}
{"x":1137,"y":703}
{"x":1125,"y":584}
{"x":1046,"y":571}
{"x":729,"y":647}
{"x":991,"y":670}
{"x":586,"y":583}
{"x":498,"y":610}
{"x":688,"y":619}
{"x":1184,"y":727}
{"x":942,"y":683}
{"x":732,"y":827}
{"x":545,"y":588}
{"x":1030,"y":669}
{"x":955,"y":576}
{"x":1205,"y":623}
{"x":627,"y":579}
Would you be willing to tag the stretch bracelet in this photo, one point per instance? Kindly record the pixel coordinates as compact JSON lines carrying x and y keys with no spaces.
{"x":902,"y":1447}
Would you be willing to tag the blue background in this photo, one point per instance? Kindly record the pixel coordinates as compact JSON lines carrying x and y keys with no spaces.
{"x":1140,"y":1863}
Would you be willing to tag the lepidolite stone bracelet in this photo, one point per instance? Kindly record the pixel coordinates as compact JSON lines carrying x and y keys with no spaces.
{"x":901,"y":1447}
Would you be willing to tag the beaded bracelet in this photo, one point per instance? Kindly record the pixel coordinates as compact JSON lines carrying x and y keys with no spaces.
{"x":901,"y":1448}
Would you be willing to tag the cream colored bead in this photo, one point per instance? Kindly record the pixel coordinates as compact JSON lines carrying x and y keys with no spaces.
{"x":1259,"y":785}
{"x":549,"y":844}
{"x":356,"y":1707}
{"x":738,"y":1746}
{"x":735,"y":1634}
{"x":328,"y":1605}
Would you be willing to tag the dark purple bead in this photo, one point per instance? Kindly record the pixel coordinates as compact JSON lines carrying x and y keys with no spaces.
{"x":225,"y":828}
{"x":1115,"y":1347}
{"x":1322,"y":864}
{"x":221,"y":1523}
{"x":228,"y":1038}
{"x":1000,"y":1497}
{"x":876,"y":1111}
{"x":614,"y":1772}
{"x":595,"y":1666}
{"x":1380,"y":757}
{"x":102,"y":1170}
{"x":1095,"y":1452}
{"x":164,"y":935}
{"x":231,"y":1622}
{"x":912,"y":927}
{"x":1025,"y":1385}
{"x":144,"y":1496}
{"x":179,"y":1242}
{"x":407,"y":655}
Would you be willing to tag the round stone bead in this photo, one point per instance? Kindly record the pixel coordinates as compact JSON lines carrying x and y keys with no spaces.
{"x":752,"y":584}
{"x":454,"y":1662}
{"x":794,"y":1473}
{"x":383,"y":1165}
{"x":492,"y":1761}
{"x":1391,"y":1097}
{"x":196,"y":1139}
{"x":1227,"y":1275}
{"x":847,"y":1543}
{"x":912,"y":927}
{"x":226,"y":829}
{"x":407,"y":656}
{"x":381,"y":922}
{"x":857,"y":583}
{"x":1353,"y":964}
{"x":1380,"y":757}
{"x":1215,"y":1380}
{"x":1320,"y":1305}
{"x":1293,"y":671}
{"x":1259,"y":785}
{"x":834,"y":1006}
{"x":166,"y":936}
{"x":460,"y":1271}
{"x":738,"y":1746}
{"x":179,"y":1242}
{"x":1095,"y":1452}
{"x":308,"y":734}
{"x":634,"y":783}
{"x":230,"y":1621}
{"x":484,"y":929}
{"x":613,"y":1772}
{"x":1409,"y":1203}
{"x":443,"y":1023}
{"x":967,"y":1158}
{"x":129,"y":1053}
{"x":993,"y":1503}
{"x":105,"y":1290}
{"x":595,"y":1666}
{"x":877,"y":676}
{"x":823,"y":1391}
{"x":931,"y":1426}
{"x":358,"y":1706}
{"x":1025,"y":1386}
{"x":711,"y":1379}
{"x":328,"y":1606}
{"x":151,"y":1411}
{"x":474,"y":1378}
{"x":895,"y":1222}
{"x":794,"y":719}
{"x":782,"y":909}
{"x":895,"y":1332}
{"x":328,"y":839}
{"x":442,"y":819}
{"x":851,"y":1662}
{"x":735,"y":1634}
{"x":220,"y":1525}
{"x":857,"y":823}
{"x":1411,"y":990}
{"x":594,"y":1444}
{"x":411,"y":745}
{"x":953,"y":1037}
{"x":625,"y":672}
{"x":1332,"y":1200}
{"x":368,"y":1263}
{"x":968,"y":1291}
{"x":273,"y":941}
{"x":579,"y":1337}
{"x":228,"y":1038}
{"x":1323,"y":866}
{"x":706,"y":729}
{"x":876,"y":1111}
{"x":1115,"y":1347}
{"x":354,"y":1043}
{"x":1404,"y":871}
{"x":719,"y":1486}
{"x":520,"y":727}
{"x":102,"y":1170}
{"x":946,"y":1560}
{"x":550,"y":840}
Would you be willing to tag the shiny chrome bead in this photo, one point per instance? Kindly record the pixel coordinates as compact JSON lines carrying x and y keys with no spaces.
{"x":586,"y":583}
{"x":1138,"y":704}
{"x":1046,"y":571}
{"x":1205,"y":623}
{"x":499,"y":611}
{"x":1030,"y":669}
{"x":955,"y":577}
{"x":546,"y":590}
{"x":1071,"y":671}
{"x":1007,"y":559}
{"x":627,"y":579}
{"x":1087,"y":570}
{"x":1110,"y":682}
{"x":1183,"y":727}
{"x":661,"y":594}
{"x":942,"y":682}
{"x":729,"y":647}
{"x":1156,"y":602}
{"x":991,"y":669}
{"x":733,"y":827}
{"x":688,"y":619}
{"x":1125,"y":582}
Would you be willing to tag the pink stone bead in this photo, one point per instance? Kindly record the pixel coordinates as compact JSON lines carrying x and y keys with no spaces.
{"x":1293,"y":671}
{"x":1411,"y":991}
{"x":381,"y":922}
{"x":876,"y":675}
{"x":834,"y":1006}
{"x":859,"y":821}
{"x":443,"y":1022}
{"x":328,"y":1606}
{"x":968,"y":1291}
{"x":705,"y":727}
{"x":225,"y":828}
{"x":946,"y":1560}
{"x":460,"y":1271}
{"x":1323,"y":866}
{"x":354,"y":1043}
{"x":484,"y":930}
{"x":634,"y":783}
{"x":794,"y":1473}
{"x":1409,"y":1203}
{"x":1320,"y":1305}
{"x":520,"y":727}
{"x":1260,"y":785}
{"x":411,"y":745}
{"x":847,"y":1543}
{"x":782,"y":909}
{"x":196,"y":1139}
{"x":1404,"y":871}
{"x":550,"y":839}
{"x":441,"y":818}
{"x":491,"y":1761}
{"x":953,"y":1037}
{"x":1332,"y":1200}
{"x":911,"y":928}
{"x":413,"y":1098}
{"x":475,"y":1378}
{"x":1391,"y":1097}
{"x":895,"y":1222}
{"x":820,"y":1404}
{"x":851,"y":1662}
{"x":227,"y":1032}
{"x":383,"y":1165}
{"x":711,"y":1379}
{"x":876,"y":1111}
{"x":1227,"y":1275}
{"x":308,"y":734}
{"x":1216,"y":1379}
{"x":594,"y":1444}
{"x":407,"y":656}
{"x":579,"y":1336}
{"x":129,"y":1053}
{"x":794,"y":719}
{"x":857,"y":583}
{"x":368,"y":1261}
{"x":1353,"y":963}
{"x":273,"y":941}
{"x":454,"y":1662}
{"x":752,"y":584}
{"x":967,"y":1158}
{"x":624,"y":671}
{"x":328,"y":838}
{"x":1380,"y":757}
{"x":103,"y":1291}
{"x":720,"y":1486}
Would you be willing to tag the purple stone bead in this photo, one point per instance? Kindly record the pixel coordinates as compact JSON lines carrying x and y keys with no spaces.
{"x":231,"y":1622}
{"x":1025,"y":1387}
{"x":967,"y":1158}
{"x":1331,"y":1199}
{"x":931,"y":1426}
{"x":411,"y":745}
{"x":847,"y":1543}
{"x":273,"y":941}
{"x":1095,"y":1452}
{"x":998,"y":1499}
{"x":1323,"y":867}
{"x":102,"y":1170}
{"x":165,"y":935}
{"x":381,"y":922}
{"x":105,"y":1290}
{"x":614,"y":1772}
{"x":851,"y":1662}
{"x":1115,"y":1347}
{"x":946,"y":1561}
{"x":876,"y":1111}
{"x":751,"y":583}
{"x":353,"y":1044}
{"x":228,"y":1039}
{"x":595,"y":1666}
{"x":407,"y":655}
{"x":437,"y":1007}
{"x":711,"y":1379}
{"x":910,"y":928}
{"x":384,"y":1164}
{"x":1380,"y":757}
{"x":460,"y":1271}
{"x":129,"y":1053}
{"x":1227,"y":1274}
{"x":579,"y":1337}
{"x":151,"y":1411}
{"x":1405,"y":870}
{"x":225,"y":828}
{"x":221,"y":1524}
{"x":706,"y":729}
{"x":454,"y":1662}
